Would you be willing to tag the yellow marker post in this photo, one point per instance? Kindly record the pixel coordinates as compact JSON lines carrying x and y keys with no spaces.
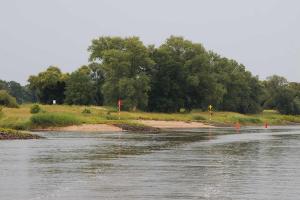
{"x":210,"y":109}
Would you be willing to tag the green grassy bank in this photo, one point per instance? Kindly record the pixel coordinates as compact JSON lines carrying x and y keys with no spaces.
{"x":63,"y":115}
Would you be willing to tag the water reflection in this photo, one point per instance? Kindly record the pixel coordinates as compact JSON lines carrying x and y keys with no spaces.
{"x":194,"y":164}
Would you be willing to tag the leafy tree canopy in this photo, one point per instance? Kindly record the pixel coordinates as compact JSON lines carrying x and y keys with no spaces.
{"x":83,"y":86}
{"x":49,"y":85}
{"x":125,"y":62}
{"x":7,"y":100}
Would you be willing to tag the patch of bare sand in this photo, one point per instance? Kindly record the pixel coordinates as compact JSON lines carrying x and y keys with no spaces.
{"x":86,"y":128}
{"x":173,"y":124}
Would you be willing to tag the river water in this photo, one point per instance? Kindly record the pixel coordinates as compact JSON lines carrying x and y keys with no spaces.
{"x":200,"y":164}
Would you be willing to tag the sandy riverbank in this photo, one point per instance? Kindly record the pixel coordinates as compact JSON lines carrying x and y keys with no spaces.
{"x":173,"y":124}
{"x":111,"y":128}
{"x":84,"y":128}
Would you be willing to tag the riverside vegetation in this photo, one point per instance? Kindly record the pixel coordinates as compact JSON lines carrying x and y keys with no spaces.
{"x":179,"y":74}
{"x":175,"y":81}
{"x":64,"y":115}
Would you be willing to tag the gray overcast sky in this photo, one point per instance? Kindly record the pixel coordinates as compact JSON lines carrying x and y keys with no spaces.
{"x":261,"y":34}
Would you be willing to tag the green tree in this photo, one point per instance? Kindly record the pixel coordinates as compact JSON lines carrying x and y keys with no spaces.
{"x":242,"y":91}
{"x":272,"y":86}
{"x":98,"y":77}
{"x":287,"y":102}
{"x":281,"y":95}
{"x":125,"y":62}
{"x":7,"y":100}
{"x":82,"y":87}
{"x":171,"y":80}
{"x":49,"y":85}
{"x":167,"y":84}
{"x":203,"y":88}
{"x":21,"y":93}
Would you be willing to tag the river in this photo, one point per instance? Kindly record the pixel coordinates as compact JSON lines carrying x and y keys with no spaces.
{"x":254,"y":163}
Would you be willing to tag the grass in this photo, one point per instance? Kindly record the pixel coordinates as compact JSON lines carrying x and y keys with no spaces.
{"x":63,"y":115}
{"x":44,"y":120}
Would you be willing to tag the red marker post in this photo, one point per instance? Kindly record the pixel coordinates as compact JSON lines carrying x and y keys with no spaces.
{"x":237,"y":127}
{"x":266,"y":125}
{"x":119,"y":105}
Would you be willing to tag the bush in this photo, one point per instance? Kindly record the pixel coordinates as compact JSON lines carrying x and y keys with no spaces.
{"x":7,"y":100}
{"x":198,"y":117}
{"x":112,"y":109}
{"x":86,"y":111}
{"x":53,"y":119}
{"x":20,"y":125}
{"x":250,"y":120}
{"x":35,"y":109}
{"x":111,"y":117}
{"x":247,"y":120}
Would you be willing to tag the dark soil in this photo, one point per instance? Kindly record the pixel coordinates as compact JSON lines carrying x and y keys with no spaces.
{"x":16,"y":135}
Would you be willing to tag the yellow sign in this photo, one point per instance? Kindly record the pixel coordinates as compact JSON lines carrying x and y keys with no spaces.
{"x":210,"y":107}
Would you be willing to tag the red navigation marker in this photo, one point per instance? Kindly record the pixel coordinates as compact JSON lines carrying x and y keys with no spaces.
{"x":237,"y":126}
{"x":266,"y":125}
{"x":119,"y":105}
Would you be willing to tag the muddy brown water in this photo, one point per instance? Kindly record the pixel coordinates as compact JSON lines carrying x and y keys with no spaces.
{"x":191,"y":164}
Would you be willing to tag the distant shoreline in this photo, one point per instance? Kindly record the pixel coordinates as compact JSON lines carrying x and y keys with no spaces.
{"x":148,"y":126}
{"x":107,"y":119}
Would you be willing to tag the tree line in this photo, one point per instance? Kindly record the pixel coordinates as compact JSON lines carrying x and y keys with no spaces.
{"x":178,"y":75}
{"x":22,"y":94}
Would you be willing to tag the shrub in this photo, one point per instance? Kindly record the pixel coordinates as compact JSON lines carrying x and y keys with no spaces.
{"x":112,"y":109}
{"x":247,"y":120}
{"x":250,"y":120}
{"x":86,"y":111}
{"x":111,"y":117}
{"x":35,"y":109}
{"x":198,"y":117}
{"x":7,"y":100}
{"x":20,"y":125}
{"x":53,"y":119}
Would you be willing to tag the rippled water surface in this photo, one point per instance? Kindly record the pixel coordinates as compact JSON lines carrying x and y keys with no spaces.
{"x":199,"y":164}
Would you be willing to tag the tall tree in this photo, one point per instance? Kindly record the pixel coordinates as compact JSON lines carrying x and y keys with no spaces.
{"x":21,"y":93}
{"x":272,"y":86}
{"x":287,"y":102}
{"x":49,"y":85}
{"x":242,"y":91}
{"x":182,"y":77}
{"x":281,"y":95}
{"x":167,"y":83}
{"x":84,"y":86}
{"x":125,"y":62}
